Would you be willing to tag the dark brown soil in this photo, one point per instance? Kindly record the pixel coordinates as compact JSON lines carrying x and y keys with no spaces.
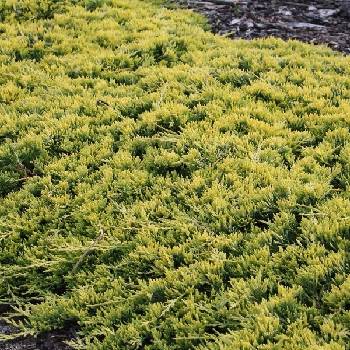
{"x":314,"y":21}
{"x":54,"y":340}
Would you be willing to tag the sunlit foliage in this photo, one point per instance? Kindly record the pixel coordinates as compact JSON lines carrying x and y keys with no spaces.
{"x":165,"y":188}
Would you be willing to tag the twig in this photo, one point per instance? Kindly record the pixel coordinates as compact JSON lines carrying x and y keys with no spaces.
{"x":109,"y":302}
{"x":87,"y":251}
{"x":194,"y":337}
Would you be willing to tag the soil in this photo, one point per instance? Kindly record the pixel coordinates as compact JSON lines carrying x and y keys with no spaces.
{"x":54,"y":340}
{"x":314,"y":21}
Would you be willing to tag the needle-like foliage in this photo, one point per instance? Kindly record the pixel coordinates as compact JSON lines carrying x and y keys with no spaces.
{"x":165,"y":188}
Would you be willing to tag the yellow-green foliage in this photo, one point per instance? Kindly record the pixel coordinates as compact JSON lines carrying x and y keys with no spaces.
{"x":165,"y":188}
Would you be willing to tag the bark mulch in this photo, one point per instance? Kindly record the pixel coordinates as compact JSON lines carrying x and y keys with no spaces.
{"x":54,"y":340}
{"x":313,"y":21}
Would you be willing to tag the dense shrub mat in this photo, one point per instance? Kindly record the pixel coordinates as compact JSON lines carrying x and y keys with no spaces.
{"x":164,"y":188}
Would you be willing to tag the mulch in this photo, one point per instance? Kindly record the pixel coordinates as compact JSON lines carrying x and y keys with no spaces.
{"x":313,"y":21}
{"x":53,"y":340}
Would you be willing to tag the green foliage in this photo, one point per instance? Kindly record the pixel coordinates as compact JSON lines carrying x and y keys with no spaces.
{"x":165,"y":188}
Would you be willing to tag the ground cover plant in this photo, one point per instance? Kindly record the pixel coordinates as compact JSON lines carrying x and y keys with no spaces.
{"x":165,"y":188}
